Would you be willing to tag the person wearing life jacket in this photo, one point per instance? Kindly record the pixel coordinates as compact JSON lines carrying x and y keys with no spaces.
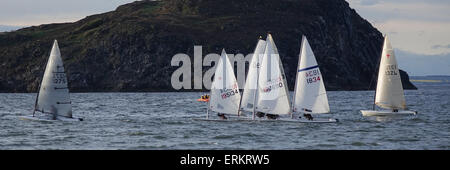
{"x":272,"y":116}
{"x":222,"y":116}
{"x":308,"y":116}
{"x":260,"y":114}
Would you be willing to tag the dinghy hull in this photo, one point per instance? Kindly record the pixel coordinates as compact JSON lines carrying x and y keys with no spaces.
{"x":324,"y":120}
{"x":316,"y":120}
{"x":387,"y":113}
{"x":48,"y":119}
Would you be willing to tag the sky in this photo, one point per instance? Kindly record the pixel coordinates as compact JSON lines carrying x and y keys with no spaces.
{"x":419,"y":30}
{"x":36,"y":12}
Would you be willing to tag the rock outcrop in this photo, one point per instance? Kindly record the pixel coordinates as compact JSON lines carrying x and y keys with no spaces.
{"x":130,"y":49}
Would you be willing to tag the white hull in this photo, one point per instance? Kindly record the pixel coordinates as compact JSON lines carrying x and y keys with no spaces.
{"x":48,"y":119}
{"x":316,"y":120}
{"x":387,"y":113}
{"x":230,"y":119}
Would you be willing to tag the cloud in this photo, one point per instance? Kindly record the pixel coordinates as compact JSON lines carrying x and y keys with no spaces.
{"x":413,"y":25}
{"x":422,"y":64}
{"x":440,"y":46}
{"x":369,"y":2}
{"x":393,"y":32}
{"x":417,"y":36}
{"x":421,"y":32}
{"x":4,"y":28}
{"x":33,"y":12}
{"x":398,"y":9}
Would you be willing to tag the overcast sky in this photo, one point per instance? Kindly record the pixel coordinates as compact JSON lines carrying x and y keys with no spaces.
{"x":413,"y":25}
{"x":418,"y":27}
{"x":36,"y":12}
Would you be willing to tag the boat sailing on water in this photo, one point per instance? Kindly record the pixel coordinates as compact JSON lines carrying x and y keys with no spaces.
{"x":389,"y":93}
{"x":272,"y":96}
{"x":225,"y":96}
{"x":271,"y":99}
{"x":249,"y":94}
{"x":53,"y":100}
{"x":266,"y":93}
{"x":310,"y":96}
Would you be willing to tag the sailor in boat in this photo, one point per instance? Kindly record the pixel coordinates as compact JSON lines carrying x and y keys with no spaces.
{"x":269,"y":116}
{"x":205,"y":97}
{"x":272,"y":116}
{"x":52,"y":114}
{"x":394,"y":110}
{"x":260,"y":114}
{"x":222,"y":116}
{"x":307,"y":115}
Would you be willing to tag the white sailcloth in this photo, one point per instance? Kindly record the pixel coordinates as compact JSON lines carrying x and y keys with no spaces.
{"x":53,"y":95}
{"x":272,"y":87}
{"x":309,"y":94}
{"x":249,"y":94}
{"x":389,"y":92}
{"x":225,"y":96}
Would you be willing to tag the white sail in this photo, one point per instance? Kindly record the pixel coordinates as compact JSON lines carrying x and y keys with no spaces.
{"x":272,"y":87}
{"x":53,"y":95}
{"x":389,"y":93}
{"x":249,"y":94}
{"x":225,"y":96}
{"x":309,"y":94}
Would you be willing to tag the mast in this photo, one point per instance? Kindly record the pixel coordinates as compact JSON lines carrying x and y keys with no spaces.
{"x":239,"y":105}
{"x":273,"y":98}
{"x":257,"y":85}
{"x":378,"y":66}
{"x":40,"y":83}
{"x":37,"y":97}
{"x":296,"y":75}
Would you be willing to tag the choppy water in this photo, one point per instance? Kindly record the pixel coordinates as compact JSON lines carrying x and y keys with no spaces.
{"x":164,"y":121}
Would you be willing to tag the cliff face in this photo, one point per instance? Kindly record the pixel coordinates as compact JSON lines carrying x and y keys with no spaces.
{"x":130,"y":49}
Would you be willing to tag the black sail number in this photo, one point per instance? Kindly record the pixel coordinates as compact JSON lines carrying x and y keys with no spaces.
{"x":391,"y":70}
{"x":228,"y":93}
{"x":59,"y":78}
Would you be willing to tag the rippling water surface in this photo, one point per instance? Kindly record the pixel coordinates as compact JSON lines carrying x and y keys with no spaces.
{"x":164,"y":121}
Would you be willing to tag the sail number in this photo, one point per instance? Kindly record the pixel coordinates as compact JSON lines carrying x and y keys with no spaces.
{"x":228,"y":93}
{"x":277,"y":83}
{"x":59,"y":78}
{"x":312,"y":76}
{"x":313,"y":79}
{"x":225,"y":93}
{"x":391,"y":70}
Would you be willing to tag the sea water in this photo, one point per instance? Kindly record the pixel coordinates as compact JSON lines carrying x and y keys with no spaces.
{"x":165,"y":121}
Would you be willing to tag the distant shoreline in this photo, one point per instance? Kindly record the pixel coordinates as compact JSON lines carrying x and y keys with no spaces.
{"x":428,"y":81}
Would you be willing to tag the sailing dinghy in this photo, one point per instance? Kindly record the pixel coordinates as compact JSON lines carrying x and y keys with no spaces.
{"x":272,"y":99}
{"x":389,"y":93}
{"x":272,"y":95}
{"x":249,"y":94}
{"x":310,"y":96}
{"x":53,"y":100}
{"x":225,"y":96}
